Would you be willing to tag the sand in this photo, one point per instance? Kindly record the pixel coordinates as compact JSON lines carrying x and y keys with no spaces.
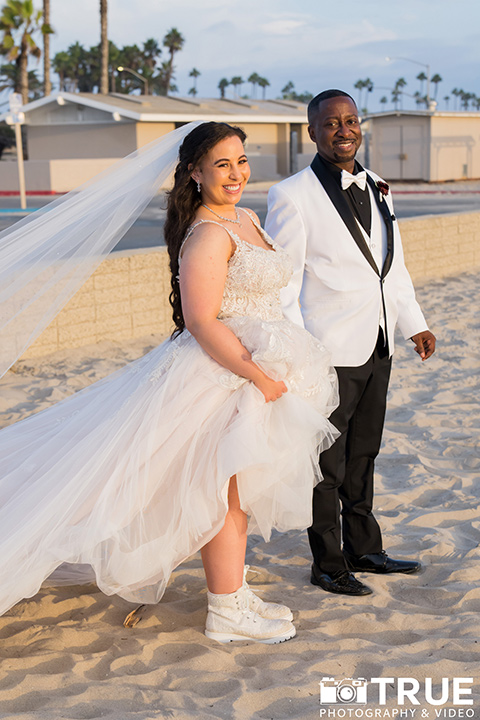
{"x":65,"y":653}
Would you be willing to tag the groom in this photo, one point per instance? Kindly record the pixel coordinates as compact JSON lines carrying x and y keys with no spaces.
{"x":350,"y":288}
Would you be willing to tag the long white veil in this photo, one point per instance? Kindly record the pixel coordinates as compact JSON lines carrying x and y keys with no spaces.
{"x":46,"y":257}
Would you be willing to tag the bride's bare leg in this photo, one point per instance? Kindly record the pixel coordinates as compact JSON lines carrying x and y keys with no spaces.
{"x":224,"y":556}
{"x":234,"y":611}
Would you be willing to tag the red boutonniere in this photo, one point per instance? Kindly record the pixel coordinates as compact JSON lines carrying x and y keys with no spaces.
{"x":383,"y":187}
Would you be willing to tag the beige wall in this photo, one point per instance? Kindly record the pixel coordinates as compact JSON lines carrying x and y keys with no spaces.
{"x":148,"y":132}
{"x":37,"y":176}
{"x":440,"y":245}
{"x":81,"y":141}
{"x":127,"y":296}
{"x":261,"y":138}
{"x":455,"y":147}
{"x":56,"y":176}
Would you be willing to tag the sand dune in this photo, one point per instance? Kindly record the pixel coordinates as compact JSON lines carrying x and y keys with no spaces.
{"x":65,"y":653}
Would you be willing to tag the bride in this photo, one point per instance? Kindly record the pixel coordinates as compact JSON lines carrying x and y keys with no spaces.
{"x":214,"y":433}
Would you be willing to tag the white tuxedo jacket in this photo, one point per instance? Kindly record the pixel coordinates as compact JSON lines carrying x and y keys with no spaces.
{"x":336,"y":288}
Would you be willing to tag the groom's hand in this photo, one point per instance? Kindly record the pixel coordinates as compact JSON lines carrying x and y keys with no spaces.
{"x":424,"y":344}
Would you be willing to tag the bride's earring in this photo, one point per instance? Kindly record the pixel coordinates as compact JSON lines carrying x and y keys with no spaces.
{"x":199,"y":187}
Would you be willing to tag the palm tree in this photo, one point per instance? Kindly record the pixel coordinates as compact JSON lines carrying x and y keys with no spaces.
{"x":359,"y":85}
{"x":366,"y":85}
{"x":419,"y":98}
{"x":222,"y":85}
{"x":395,"y":97}
{"x":466,"y":97}
{"x":435,"y":80}
{"x":72,"y":67}
{"x":422,"y":77}
{"x":254,"y":78}
{"x":148,"y":64}
{"x":151,"y":51}
{"x":447,"y":100}
{"x":113,"y":62}
{"x":456,"y":92}
{"x":194,"y":73}
{"x":8,"y":80}
{"x":368,"y":88}
{"x":47,"y":31}
{"x":288,"y":90}
{"x":383,"y":100}
{"x":173,"y":41}
{"x":103,"y":48}
{"x":61,"y":65}
{"x":401,"y":82}
{"x":19,"y":22}
{"x":235,"y":81}
{"x":263,"y":83}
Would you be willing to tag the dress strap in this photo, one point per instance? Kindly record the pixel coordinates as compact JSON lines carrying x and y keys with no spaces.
{"x":190,"y":230}
{"x":260,"y":229}
{"x":253,"y":219}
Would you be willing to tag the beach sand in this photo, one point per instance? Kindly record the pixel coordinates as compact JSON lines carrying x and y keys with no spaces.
{"x":66,"y":654}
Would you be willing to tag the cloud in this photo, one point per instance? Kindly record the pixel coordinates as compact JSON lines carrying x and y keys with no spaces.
{"x":282,"y":27}
{"x":306,"y":42}
{"x":341,"y":37}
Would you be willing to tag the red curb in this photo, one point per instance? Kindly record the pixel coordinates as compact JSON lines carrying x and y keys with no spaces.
{"x":30,"y":193}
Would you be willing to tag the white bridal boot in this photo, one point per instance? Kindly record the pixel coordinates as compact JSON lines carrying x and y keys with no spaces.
{"x":230,"y":618}
{"x":268,"y":610}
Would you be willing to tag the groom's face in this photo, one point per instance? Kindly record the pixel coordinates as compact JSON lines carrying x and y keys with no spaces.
{"x":335,"y":130}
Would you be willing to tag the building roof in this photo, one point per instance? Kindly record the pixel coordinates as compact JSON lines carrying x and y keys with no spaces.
{"x":423,"y":113}
{"x":156,"y":108}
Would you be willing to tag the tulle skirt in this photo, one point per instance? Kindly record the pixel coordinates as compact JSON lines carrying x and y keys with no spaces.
{"x":130,"y":475}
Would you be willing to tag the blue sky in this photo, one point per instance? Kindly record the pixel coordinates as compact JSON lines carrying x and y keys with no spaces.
{"x":314,"y":43}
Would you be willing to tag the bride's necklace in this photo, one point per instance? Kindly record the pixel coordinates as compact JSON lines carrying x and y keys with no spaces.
{"x":237,"y":215}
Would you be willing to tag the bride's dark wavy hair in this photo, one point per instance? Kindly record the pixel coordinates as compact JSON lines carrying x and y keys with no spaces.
{"x":184,"y":199}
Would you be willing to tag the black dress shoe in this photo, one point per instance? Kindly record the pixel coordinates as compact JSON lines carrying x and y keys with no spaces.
{"x":380,"y":563}
{"x":341,"y":582}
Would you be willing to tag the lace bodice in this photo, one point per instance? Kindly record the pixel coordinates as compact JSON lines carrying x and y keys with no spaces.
{"x":255,"y":277}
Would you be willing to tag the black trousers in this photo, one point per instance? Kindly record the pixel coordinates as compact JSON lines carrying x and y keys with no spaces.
{"x":342,"y":502}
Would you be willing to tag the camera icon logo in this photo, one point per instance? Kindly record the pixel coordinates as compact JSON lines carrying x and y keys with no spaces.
{"x":345,"y":692}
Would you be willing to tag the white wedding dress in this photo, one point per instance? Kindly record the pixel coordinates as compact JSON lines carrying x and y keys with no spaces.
{"x":130,"y":475}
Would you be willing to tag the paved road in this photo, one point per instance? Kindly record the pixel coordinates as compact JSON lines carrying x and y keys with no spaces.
{"x":410,"y":201}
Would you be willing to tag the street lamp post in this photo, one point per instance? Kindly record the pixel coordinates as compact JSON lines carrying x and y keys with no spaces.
{"x":120,"y":68}
{"x":17,"y":118}
{"x":416,"y":62}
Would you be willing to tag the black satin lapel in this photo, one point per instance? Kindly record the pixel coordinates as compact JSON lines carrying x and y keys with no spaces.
{"x":336,"y":195}
{"x":387,"y":216}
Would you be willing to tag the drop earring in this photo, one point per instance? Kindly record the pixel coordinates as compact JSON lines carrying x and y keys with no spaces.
{"x":199,"y":187}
